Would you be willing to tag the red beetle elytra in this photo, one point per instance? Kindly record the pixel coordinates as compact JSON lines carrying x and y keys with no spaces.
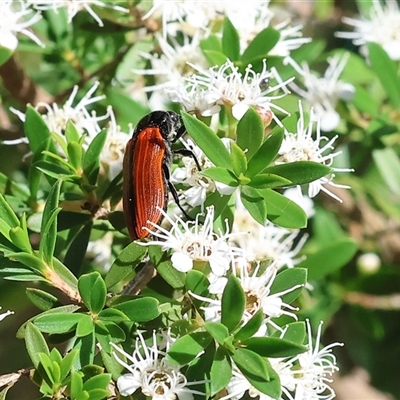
{"x":147,"y":163}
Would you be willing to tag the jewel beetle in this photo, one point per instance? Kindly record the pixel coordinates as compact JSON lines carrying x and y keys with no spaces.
{"x":147,"y":164}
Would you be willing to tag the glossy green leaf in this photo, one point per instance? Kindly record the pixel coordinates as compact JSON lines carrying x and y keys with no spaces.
{"x":76,"y":386}
{"x":274,"y":347}
{"x":218,"y":331}
{"x":287,"y":280}
{"x":265,"y":154}
{"x":266,"y":181}
{"x":35,"y":343}
{"x":197,"y":282}
{"x":215,"y":58}
{"x":127,"y":260}
{"x":230,"y":40}
{"x":140,"y":310}
{"x":71,"y":133}
{"x":300,"y":172}
{"x":260,"y":45}
{"x":19,"y":237}
{"x":93,"y":291}
{"x":254,"y":203}
{"x":239,"y":161}
{"x":97,"y":382}
{"x":188,"y":347}
{"x":221,"y":370}
{"x":208,"y":141}
{"x":86,"y":346}
{"x":295,"y":332}
{"x":329,"y":259}
{"x":211,"y":42}
{"x":252,"y":366}
{"x":91,"y":159}
{"x":66,"y":364}
{"x":41,"y":299}
{"x":29,"y":260}
{"x":232,"y":304}
{"x":282,"y":211}
{"x":251,"y":326}
{"x":250,"y":132}
{"x":220,"y":174}
{"x":48,"y":239}
{"x":163,"y":264}
{"x":386,"y":70}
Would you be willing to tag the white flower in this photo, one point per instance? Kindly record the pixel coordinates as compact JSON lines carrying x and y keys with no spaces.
{"x":304,"y":377}
{"x":5,"y":314}
{"x":257,"y":290}
{"x":323,"y":93}
{"x":266,"y":243}
{"x":174,"y":62}
{"x":301,"y":146}
{"x":56,"y":118}
{"x":112,"y":154}
{"x":238,"y":92}
{"x":74,"y":6}
{"x":13,"y":22}
{"x":192,"y":241}
{"x":315,"y":370}
{"x":382,"y":27}
{"x":150,"y":372}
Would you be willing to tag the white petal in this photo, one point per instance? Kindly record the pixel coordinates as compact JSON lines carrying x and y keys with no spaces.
{"x":182,"y":262}
{"x":127,"y":384}
{"x":239,"y":109}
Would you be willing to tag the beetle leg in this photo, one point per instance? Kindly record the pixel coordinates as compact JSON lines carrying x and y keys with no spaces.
{"x":174,"y":193}
{"x":188,"y":153}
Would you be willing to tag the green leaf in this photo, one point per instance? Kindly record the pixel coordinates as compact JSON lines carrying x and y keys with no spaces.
{"x":76,"y":386}
{"x":208,"y":141}
{"x":85,"y":326}
{"x":239,"y":161}
{"x":75,"y":152}
{"x":274,"y":347}
{"x":232,"y":304}
{"x":91,"y":159}
{"x":86,"y":346}
{"x":388,"y":164}
{"x":36,"y":129}
{"x":329,"y":259}
{"x":93,"y":291}
{"x":7,"y":215}
{"x":140,"y":310}
{"x":29,"y":260}
{"x":230,"y":40}
{"x":163,"y":264}
{"x":41,"y":299}
{"x":215,"y":58}
{"x":66,"y":364}
{"x":252,"y":366}
{"x":386,"y":70}
{"x":300,"y":172}
{"x":125,"y":263}
{"x":250,"y":132}
{"x":288,"y":279}
{"x":57,"y":323}
{"x":71,"y":133}
{"x":255,"y":204}
{"x":211,"y":42}
{"x":75,"y":256}
{"x":221,"y":370}
{"x":265,"y":154}
{"x":111,"y":314}
{"x":97,"y":382}
{"x":251,"y":326}
{"x":197,"y":282}
{"x":282,"y":211}
{"x":266,"y":181}
{"x":5,"y":54}
{"x":49,"y":223}
{"x":260,"y":45}
{"x":295,"y":332}
{"x":218,"y":331}
{"x":220,"y":174}
{"x":35,"y":343}
{"x":19,"y":237}
{"x":65,"y":274}
{"x":188,"y":347}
